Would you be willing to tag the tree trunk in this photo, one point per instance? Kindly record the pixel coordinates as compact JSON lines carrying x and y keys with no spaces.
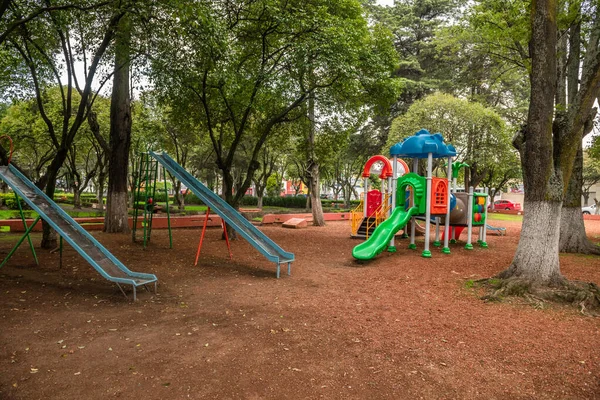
{"x":315,"y":198}
{"x":573,"y":238}
{"x":76,"y":198}
{"x":536,"y":259}
{"x":586,"y":197}
{"x":100,"y":191}
{"x":116,"y":219}
{"x":179,"y":197}
{"x":260,"y":202}
{"x":49,"y":239}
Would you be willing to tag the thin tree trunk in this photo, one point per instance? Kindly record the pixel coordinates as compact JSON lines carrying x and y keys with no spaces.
{"x":76,"y":198}
{"x":116,"y":219}
{"x":49,"y":239}
{"x":315,"y":198}
{"x":100,"y":191}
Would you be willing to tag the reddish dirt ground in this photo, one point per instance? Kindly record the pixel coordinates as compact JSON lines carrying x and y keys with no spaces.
{"x":399,"y":327}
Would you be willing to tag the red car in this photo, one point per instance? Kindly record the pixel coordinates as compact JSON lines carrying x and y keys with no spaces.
{"x":506,"y":205}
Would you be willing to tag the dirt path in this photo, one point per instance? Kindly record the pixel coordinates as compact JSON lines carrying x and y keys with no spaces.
{"x":399,"y":327}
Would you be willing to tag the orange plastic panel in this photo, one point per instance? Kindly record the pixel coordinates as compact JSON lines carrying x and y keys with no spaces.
{"x":439,"y":196}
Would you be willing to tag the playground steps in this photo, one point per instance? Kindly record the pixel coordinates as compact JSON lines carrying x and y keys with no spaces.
{"x":362,"y":229}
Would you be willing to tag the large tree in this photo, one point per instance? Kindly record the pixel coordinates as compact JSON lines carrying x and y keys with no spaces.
{"x":116,"y":218}
{"x":245,"y":68}
{"x":548,"y":144}
{"x":478,"y":133}
{"x":48,"y":52}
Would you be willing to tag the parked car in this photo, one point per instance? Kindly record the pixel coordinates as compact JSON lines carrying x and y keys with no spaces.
{"x":589,"y":209}
{"x":506,"y":205}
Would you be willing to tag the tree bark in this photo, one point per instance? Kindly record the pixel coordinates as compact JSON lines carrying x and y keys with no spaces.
{"x":116,"y":219}
{"x":49,"y":239}
{"x":573,"y":238}
{"x":536,"y":259}
{"x":76,"y":197}
{"x":260,"y":202}
{"x":315,"y":198}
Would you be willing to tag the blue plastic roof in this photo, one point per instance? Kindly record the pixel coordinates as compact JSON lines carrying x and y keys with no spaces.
{"x":421,"y":144}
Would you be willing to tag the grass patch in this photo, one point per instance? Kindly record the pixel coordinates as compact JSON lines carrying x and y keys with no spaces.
{"x":504,"y":217}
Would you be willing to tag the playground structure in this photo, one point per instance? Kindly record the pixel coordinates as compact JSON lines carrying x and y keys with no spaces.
{"x":375,"y":205}
{"x":85,"y":244}
{"x":106,"y":264}
{"x":433,"y":199}
{"x":148,"y":177}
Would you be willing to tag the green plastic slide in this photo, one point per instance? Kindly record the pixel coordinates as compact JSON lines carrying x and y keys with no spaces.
{"x":380,"y":238}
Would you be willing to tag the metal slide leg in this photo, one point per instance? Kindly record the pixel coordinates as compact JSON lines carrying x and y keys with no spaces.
{"x":134,"y":293}
{"x":10,"y":254}
{"x":289,"y":268}
{"x":278,"y":269}
{"x":121,"y":289}
{"x":226,"y":238}
{"x":25,"y":226}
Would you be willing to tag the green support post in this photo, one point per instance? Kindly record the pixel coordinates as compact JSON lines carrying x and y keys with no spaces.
{"x":146,"y":183}
{"x":136,"y":196}
{"x":10,"y":254}
{"x":25,"y":226}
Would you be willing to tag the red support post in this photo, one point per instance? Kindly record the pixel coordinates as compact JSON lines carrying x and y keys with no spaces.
{"x":202,"y":236}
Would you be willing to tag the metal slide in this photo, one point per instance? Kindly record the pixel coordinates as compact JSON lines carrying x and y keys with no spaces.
{"x":94,"y":253}
{"x":255,"y":237}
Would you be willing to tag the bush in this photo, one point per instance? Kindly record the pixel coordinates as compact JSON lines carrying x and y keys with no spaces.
{"x":275,"y":201}
{"x":191,"y":198}
{"x":9,"y":200}
{"x":159,"y":196}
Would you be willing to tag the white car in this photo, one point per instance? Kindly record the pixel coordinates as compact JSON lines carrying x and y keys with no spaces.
{"x":589,"y":209}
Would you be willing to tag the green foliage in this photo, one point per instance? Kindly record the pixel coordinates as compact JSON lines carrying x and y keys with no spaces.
{"x":289,"y":202}
{"x":274,"y":185}
{"x":591,"y":166}
{"x":240,"y":81}
{"x":9,"y":200}
{"x":478,"y":133}
{"x":276,"y":201}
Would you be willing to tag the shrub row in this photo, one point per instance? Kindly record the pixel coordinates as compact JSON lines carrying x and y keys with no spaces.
{"x":159,"y":196}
